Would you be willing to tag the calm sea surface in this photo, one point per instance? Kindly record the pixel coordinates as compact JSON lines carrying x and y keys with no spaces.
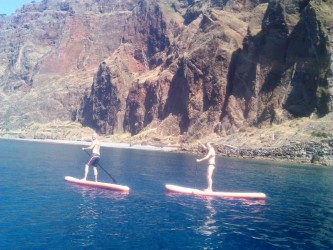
{"x":39,"y":210}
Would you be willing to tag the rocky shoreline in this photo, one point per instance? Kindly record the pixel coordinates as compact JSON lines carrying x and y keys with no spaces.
{"x":318,"y":152}
{"x":300,"y":152}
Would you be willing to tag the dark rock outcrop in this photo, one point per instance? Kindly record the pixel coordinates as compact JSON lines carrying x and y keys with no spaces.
{"x":103,"y":103}
{"x":281,"y":72}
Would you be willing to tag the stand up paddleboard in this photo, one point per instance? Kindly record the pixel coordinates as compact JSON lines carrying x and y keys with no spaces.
{"x":184,"y":190}
{"x":97,"y":184}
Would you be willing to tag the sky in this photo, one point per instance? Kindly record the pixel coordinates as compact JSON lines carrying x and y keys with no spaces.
{"x":10,"y":6}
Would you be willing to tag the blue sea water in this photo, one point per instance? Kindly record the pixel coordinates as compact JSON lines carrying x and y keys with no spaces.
{"x":39,"y":210}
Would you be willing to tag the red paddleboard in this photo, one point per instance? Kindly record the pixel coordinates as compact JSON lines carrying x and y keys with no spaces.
{"x":184,"y":190}
{"x":97,"y":184}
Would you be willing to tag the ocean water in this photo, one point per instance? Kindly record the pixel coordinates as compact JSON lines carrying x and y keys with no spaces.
{"x":39,"y":210}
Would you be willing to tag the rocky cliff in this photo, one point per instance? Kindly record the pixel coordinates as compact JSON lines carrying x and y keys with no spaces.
{"x":49,"y":54}
{"x":223,"y":66}
{"x":186,"y":68}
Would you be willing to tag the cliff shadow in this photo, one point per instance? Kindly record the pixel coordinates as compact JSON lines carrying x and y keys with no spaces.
{"x":178,"y":99}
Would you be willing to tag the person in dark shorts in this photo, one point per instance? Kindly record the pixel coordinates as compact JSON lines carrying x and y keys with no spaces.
{"x":93,"y":161}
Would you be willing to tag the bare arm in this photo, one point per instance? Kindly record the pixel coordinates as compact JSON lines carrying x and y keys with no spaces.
{"x":91,"y":146}
{"x":210,"y":153}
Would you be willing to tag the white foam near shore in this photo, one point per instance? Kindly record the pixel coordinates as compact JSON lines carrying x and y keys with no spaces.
{"x":103,"y":144}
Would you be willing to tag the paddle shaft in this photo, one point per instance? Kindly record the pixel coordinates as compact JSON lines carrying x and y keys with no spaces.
{"x":113,"y":179}
{"x":196,"y":169}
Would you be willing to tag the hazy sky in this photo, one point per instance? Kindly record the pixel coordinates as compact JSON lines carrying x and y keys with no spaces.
{"x":10,"y":6}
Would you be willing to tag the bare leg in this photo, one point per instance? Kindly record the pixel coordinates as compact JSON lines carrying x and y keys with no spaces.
{"x":86,"y":171}
{"x":95,"y":173}
{"x":209,"y":177}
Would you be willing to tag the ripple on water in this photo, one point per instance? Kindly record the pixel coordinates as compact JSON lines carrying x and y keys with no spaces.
{"x":42,"y":211}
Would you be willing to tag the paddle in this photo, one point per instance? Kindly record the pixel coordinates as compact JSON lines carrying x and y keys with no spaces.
{"x":113,"y":179}
{"x":196,"y":168}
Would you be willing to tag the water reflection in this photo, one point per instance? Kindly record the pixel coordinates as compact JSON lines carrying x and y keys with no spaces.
{"x":246,"y":202}
{"x":209,"y":226}
{"x":92,"y":193}
{"x":234,"y":211}
{"x":253,"y":202}
{"x":90,"y":213}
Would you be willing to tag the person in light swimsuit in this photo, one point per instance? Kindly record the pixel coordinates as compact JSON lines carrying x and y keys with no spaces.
{"x":94,"y":159}
{"x":211,"y":165}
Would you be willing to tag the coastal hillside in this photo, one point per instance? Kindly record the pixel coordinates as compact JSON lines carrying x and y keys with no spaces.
{"x":253,"y":76}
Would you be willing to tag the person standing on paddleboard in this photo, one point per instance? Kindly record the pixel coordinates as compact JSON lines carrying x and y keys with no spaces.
{"x":211,"y":165}
{"x":94,"y":159}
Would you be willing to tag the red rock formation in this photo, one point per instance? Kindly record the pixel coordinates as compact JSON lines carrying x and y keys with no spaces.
{"x":180,"y":67}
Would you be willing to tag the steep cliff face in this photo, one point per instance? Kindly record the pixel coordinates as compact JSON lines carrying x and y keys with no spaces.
{"x":142,"y":48}
{"x":193,"y":73}
{"x":282,"y":69}
{"x":186,"y":67}
{"x":49,"y":54}
{"x":231,"y":72}
{"x":103,"y":103}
